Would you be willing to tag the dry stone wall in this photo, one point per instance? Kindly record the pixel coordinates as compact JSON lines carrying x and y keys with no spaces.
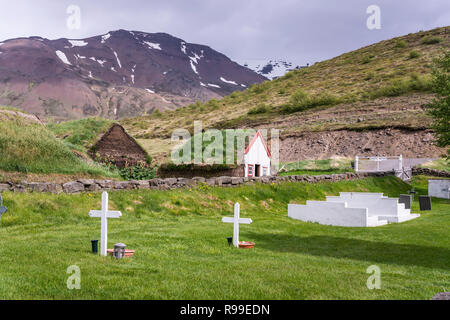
{"x":92,"y":185}
{"x":430,"y":172}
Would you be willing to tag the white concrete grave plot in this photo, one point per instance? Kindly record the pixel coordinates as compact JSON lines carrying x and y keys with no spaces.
{"x":439,"y":188}
{"x":352,"y":209}
{"x":104,"y":214}
{"x":378,"y":205}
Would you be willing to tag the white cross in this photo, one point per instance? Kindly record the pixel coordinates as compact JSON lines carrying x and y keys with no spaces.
{"x":236,"y":220}
{"x":104,"y":214}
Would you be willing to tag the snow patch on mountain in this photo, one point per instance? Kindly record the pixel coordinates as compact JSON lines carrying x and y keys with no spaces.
{"x":152,"y":45}
{"x":100,"y":62}
{"x":183,"y":47}
{"x":228,"y":81}
{"x":271,"y":69}
{"x":117,"y":58}
{"x":78,"y":43}
{"x":193,"y":67}
{"x":105,"y":37}
{"x":61,"y":55}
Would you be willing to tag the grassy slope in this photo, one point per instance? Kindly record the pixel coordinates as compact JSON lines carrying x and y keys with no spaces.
{"x":30,"y":147}
{"x":81,"y":133}
{"x":182,"y":251}
{"x":354,"y":79}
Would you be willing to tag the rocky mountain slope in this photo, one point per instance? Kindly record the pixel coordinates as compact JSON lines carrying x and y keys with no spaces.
{"x":374,"y":89}
{"x":119,"y":74}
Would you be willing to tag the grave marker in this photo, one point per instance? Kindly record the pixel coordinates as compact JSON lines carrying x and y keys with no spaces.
{"x":104,"y":214}
{"x":236,"y":220}
{"x":406,"y":199}
{"x":425,"y":203}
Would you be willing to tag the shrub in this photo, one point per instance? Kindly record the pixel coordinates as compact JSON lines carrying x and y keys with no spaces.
{"x":431,"y":40}
{"x":401,"y":44}
{"x":262,"y":108}
{"x":399,"y":87}
{"x":439,"y":108}
{"x":301,"y":101}
{"x":366,"y":59}
{"x":414,"y":54}
{"x":138,"y":172}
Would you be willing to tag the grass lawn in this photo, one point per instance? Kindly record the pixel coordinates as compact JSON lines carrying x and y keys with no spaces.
{"x":182,"y":253}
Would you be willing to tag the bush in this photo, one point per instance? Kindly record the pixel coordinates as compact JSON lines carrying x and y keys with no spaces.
{"x":431,"y":40}
{"x":414,"y":54}
{"x":439,"y":108}
{"x":262,"y":108}
{"x":301,"y":101}
{"x":138,"y":172}
{"x":366,"y":59}
{"x":401,"y":44}
{"x":399,"y":87}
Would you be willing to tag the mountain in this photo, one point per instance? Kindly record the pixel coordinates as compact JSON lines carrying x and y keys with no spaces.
{"x":271,"y":69}
{"x":115,"y":75}
{"x":370,"y":101}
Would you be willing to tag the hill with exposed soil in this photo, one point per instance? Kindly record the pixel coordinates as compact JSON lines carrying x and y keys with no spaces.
{"x":365,"y":94}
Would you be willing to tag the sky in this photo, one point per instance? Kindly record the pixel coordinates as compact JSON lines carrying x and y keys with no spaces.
{"x":297,"y":31}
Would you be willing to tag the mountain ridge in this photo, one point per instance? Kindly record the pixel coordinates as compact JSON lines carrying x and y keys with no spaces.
{"x":118,"y":74}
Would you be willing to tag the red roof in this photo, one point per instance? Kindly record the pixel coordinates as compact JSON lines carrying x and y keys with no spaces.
{"x":258,"y":134}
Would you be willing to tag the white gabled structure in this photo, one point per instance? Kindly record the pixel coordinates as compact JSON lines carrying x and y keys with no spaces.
{"x":257,"y":157}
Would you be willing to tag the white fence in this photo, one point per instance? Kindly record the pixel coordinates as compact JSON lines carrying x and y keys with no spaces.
{"x":378,"y":164}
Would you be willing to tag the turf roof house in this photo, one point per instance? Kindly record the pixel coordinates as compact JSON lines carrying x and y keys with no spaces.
{"x":118,"y":147}
{"x":257,"y":157}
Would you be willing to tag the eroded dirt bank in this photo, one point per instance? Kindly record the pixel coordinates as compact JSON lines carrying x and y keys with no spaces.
{"x":345,"y":143}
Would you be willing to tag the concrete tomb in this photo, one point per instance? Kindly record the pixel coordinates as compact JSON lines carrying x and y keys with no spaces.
{"x":439,"y":188}
{"x":352,"y":209}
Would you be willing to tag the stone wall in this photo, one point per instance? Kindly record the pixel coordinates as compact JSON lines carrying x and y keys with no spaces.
{"x":194,"y":171}
{"x":430,"y":172}
{"x":91,"y":185}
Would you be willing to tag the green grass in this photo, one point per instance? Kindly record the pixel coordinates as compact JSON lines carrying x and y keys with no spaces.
{"x":181,"y":250}
{"x":334,"y":165}
{"x":83,"y":133}
{"x":314,"y":172}
{"x":26,"y":147}
{"x":438,"y":164}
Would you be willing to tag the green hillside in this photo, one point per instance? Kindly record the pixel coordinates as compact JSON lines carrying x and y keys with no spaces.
{"x":382,"y":85}
{"x":29,"y":147}
{"x":82,"y":133}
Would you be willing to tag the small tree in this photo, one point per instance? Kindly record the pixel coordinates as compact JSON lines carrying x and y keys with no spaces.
{"x":440,"y":107}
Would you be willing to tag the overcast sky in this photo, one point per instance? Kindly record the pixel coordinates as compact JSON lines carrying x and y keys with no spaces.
{"x":294,"y":30}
